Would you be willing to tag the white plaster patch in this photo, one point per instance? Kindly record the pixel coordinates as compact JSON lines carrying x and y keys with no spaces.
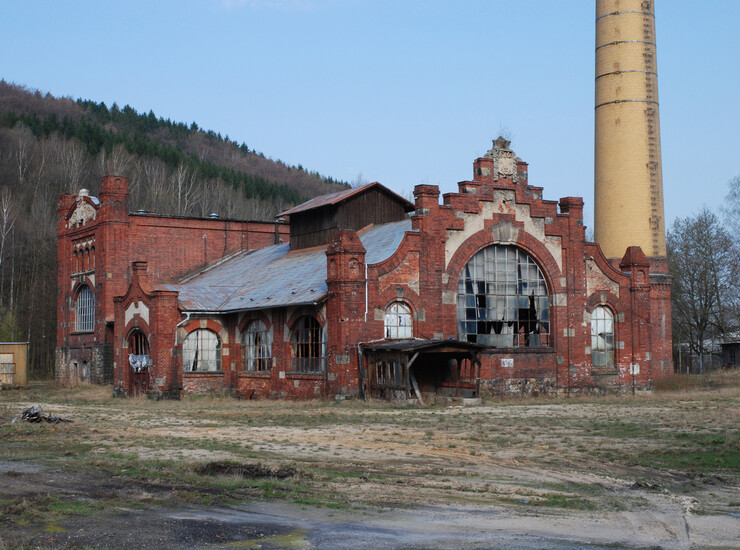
{"x":503,"y":203}
{"x":554,"y":246}
{"x":596,"y":279}
{"x":134,"y":308}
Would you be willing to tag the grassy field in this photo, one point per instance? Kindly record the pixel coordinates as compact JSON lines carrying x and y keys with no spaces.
{"x":595,"y":455}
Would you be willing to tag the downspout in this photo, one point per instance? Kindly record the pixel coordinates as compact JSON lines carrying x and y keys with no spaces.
{"x":181,"y":323}
{"x":366,"y":293}
{"x":361,"y":371}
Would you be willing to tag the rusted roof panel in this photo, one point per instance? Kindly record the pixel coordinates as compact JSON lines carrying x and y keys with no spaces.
{"x":275,"y":276}
{"x":431,"y":346}
{"x":335,"y":198}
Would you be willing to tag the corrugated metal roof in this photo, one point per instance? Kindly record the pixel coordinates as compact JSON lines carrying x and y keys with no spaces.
{"x":334,"y":198}
{"x":275,"y":276}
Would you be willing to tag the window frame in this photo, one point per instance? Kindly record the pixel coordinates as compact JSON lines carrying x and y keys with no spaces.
{"x":307,"y":346}
{"x":396,"y":329}
{"x":138,"y":342}
{"x":503,"y":300}
{"x":85,"y":309}
{"x":607,"y":342}
{"x":257,"y":347}
{"x":189,"y":357}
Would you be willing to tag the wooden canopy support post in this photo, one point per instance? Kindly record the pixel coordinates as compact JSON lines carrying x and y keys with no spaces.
{"x":413,"y":378}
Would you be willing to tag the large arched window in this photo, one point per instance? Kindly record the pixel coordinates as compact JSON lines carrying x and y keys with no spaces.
{"x":257,"y":347}
{"x":502,"y":300}
{"x":602,"y":338}
{"x":201,"y":351}
{"x":85,"y":310}
{"x":308,"y":346}
{"x":398,"y":321}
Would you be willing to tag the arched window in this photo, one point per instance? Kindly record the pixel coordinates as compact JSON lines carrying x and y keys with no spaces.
{"x":201,"y":351}
{"x":85,"y":310}
{"x":502,"y":300}
{"x":602,"y":337}
{"x":308,"y":346}
{"x":398,"y":321}
{"x":257,"y":347}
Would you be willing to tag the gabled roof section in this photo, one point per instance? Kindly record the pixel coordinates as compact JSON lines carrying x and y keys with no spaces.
{"x":276,"y":277}
{"x":341,"y":196}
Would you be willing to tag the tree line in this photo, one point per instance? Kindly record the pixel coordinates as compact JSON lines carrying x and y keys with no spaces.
{"x":704,"y":261}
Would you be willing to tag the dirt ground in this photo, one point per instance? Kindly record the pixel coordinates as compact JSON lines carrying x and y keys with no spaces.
{"x":650,"y":471}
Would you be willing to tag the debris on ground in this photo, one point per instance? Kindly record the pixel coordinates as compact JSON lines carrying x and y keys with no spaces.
{"x":36,"y":415}
{"x":246,"y":470}
{"x":639,"y":484}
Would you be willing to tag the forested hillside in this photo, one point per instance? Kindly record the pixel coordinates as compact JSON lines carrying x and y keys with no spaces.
{"x":50,"y":146}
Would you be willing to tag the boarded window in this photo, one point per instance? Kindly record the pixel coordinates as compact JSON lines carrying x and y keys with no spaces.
{"x":257,"y":347}
{"x":502,"y":300}
{"x":398,"y":321}
{"x":85,"y":310}
{"x":308,"y":346}
{"x":201,"y":351}
{"x":602,"y":337}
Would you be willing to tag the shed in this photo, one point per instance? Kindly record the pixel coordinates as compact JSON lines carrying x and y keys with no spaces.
{"x":13,"y":364}
{"x":314,"y":222}
{"x":403,"y":369}
{"x":731,"y":354}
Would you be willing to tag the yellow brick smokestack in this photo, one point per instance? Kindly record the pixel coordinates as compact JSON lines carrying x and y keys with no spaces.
{"x":628,"y":179}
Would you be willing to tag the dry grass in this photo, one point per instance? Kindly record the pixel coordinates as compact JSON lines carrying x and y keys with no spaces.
{"x":584,"y":452}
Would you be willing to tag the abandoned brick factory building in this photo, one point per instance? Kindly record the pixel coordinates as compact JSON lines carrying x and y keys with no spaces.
{"x":493,"y":291}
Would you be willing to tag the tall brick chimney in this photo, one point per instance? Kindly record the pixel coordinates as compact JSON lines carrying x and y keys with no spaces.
{"x":628,"y":179}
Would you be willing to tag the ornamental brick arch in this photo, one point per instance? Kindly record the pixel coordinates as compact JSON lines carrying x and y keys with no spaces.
{"x":605,"y":298}
{"x":209,"y":324}
{"x":484,"y":238}
{"x":137,"y":324}
{"x":305,"y":312}
{"x":254,"y":316}
{"x":408,"y":297}
{"x":79,"y":284}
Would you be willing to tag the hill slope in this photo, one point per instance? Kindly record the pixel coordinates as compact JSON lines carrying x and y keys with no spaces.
{"x":50,"y":146}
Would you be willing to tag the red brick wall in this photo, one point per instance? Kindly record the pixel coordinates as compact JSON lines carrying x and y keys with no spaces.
{"x":422,"y":273}
{"x":172,"y":248}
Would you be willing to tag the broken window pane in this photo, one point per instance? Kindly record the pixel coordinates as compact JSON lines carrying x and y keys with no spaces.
{"x":398,"y":321}
{"x":602,"y":337}
{"x":201,"y":351}
{"x":502,"y":299}
{"x":308,"y":346}
{"x":258,"y":347}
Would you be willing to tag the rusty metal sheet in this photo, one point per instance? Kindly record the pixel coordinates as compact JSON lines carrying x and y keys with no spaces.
{"x":433,"y":346}
{"x":276,"y":277}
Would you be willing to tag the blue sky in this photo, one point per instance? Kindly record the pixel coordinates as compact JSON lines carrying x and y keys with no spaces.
{"x":402,"y":92}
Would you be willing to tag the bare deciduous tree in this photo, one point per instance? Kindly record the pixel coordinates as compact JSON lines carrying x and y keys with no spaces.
{"x":701,"y":262}
{"x":8,"y":215}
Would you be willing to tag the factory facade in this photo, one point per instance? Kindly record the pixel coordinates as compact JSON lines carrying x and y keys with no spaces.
{"x":490,"y":290}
